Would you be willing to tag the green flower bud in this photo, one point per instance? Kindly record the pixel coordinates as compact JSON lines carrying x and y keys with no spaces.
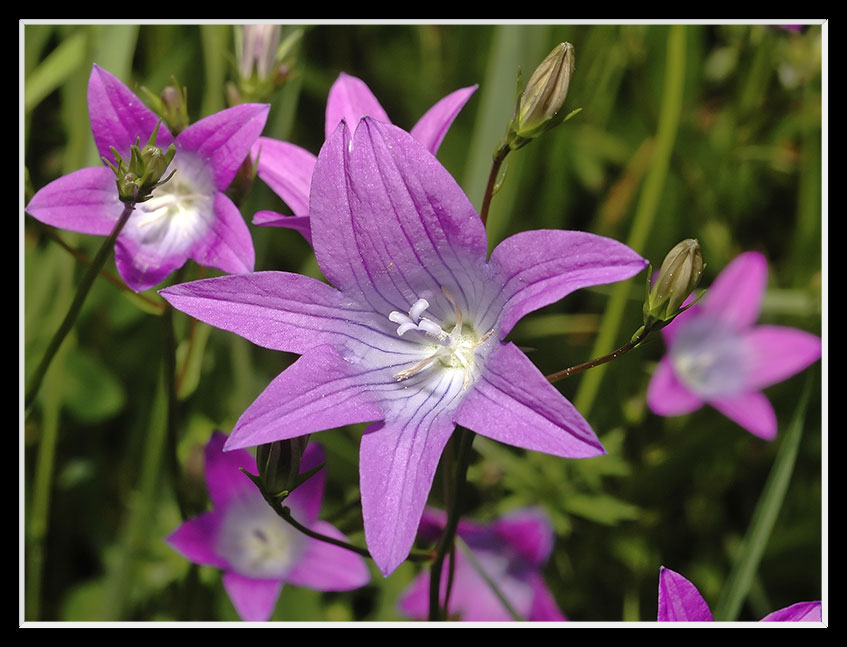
{"x":679,"y":275}
{"x":540,"y":105}
{"x":279,"y":465}
{"x":145,"y":170}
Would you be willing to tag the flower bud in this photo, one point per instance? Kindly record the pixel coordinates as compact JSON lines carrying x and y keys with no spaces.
{"x":279,"y":465}
{"x":145,"y":170}
{"x":540,"y":105}
{"x":679,"y":275}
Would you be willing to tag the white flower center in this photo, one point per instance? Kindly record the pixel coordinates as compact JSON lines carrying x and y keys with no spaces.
{"x":180,"y":211}
{"x":709,"y":359}
{"x":256,"y":542}
{"x":453,"y":349}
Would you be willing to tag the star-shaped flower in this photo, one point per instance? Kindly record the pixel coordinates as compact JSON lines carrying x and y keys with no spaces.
{"x":410,"y":333}
{"x":258,"y":551}
{"x":511,"y":551}
{"x":717,"y":356}
{"x":188,"y":217}
{"x":680,"y":601}
{"x":287,"y":168}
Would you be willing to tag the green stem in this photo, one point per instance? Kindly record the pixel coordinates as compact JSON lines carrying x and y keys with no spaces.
{"x":76,"y":305}
{"x":465,"y":443}
{"x":579,"y":368}
{"x":764,"y":517}
{"x":499,"y":157}
{"x":647,"y":205}
{"x":285,"y":514}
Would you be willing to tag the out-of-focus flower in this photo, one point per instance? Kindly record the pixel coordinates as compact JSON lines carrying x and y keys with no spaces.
{"x":287,"y":168}
{"x":717,"y":356}
{"x":511,"y":552}
{"x":189,"y":216}
{"x":257,"y":551}
{"x":680,"y":601}
{"x":410,"y":331}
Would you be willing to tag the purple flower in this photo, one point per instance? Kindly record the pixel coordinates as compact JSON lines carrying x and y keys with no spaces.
{"x":411,"y":335}
{"x":188,"y":217}
{"x":680,"y":601}
{"x":257,"y":550}
{"x":287,"y":169}
{"x":511,"y":552}
{"x":716,"y":355}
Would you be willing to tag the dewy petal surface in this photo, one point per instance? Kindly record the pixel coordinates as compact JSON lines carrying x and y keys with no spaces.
{"x":350,"y":99}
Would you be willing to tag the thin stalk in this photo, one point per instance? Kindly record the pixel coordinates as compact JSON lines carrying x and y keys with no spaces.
{"x":465,"y":444}
{"x":76,"y":305}
{"x":671,"y":108}
{"x":744,"y":568}
{"x":490,"y":188}
{"x":579,"y":368}
{"x":285,"y":514}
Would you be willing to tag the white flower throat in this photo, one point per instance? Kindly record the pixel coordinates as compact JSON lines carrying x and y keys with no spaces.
{"x":453,"y":349}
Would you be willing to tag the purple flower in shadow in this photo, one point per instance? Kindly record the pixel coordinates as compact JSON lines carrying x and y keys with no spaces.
{"x":188,"y":217}
{"x":680,"y":601}
{"x":511,"y":552}
{"x":287,"y":169}
{"x":410,"y":333}
{"x":717,"y":356}
{"x":258,"y":551}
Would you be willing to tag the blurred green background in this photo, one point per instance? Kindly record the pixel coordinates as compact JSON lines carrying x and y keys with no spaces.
{"x":702,"y":131}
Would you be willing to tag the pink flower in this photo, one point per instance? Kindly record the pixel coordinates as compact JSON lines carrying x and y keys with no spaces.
{"x":511,"y":551}
{"x":680,"y":601}
{"x":188,"y":217}
{"x":257,"y":550}
{"x":287,"y":169}
{"x":717,"y":356}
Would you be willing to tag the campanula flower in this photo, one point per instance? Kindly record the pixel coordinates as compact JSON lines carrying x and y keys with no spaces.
{"x":680,"y":601}
{"x":511,"y":551}
{"x":287,"y":169}
{"x":258,"y":551}
{"x":717,"y":356}
{"x":408,"y":334}
{"x":188,"y":217}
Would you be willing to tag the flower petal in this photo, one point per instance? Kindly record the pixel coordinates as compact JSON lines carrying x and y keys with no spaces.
{"x":544,"y":607}
{"x":274,"y":219}
{"x":529,"y":533}
{"x":325,"y":567}
{"x":253,"y":599}
{"x":667,"y":396}
{"x":142,"y":266}
{"x":277,"y":310}
{"x":224,"y":139}
{"x":540,"y":267}
{"x":227,"y":246}
{"x":736,"y":294}
{"x":397,"y":463}
{"x":513,"y":403}
{"x":779,"y":353}
{"x":119,"y":118}
{"x":195,"y":539}
{"x":798,"y":612}
{"x":85,"y":201}
{"x":319,"y":391}
{"x":679,"y":599}
{"x":752,"y":411}
{"x":351,"y":99}
{"x":287,"y":170}
{"x":433,"y":126}
{"x":389,"y":222}
{"x":224,"y":479}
